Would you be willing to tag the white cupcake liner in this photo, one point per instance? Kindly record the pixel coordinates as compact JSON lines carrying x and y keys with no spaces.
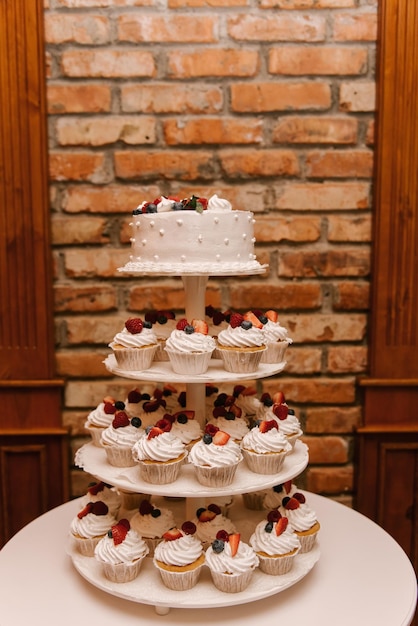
{"x":231,"y":583}
{"x":96,"y":433}
{"x":254,"y":501}
{"x":161,"y":473}
{"x":192,"y":363}
{"x":215,"y":476}
{"x":160,"y":353}
{"x":122,"y":572}
{"x":307,"y":542}
{"x":241,"y":361}
{"x":275,"y":352}
{"x":292,"y":439}
{"x":135,"y":359}
{"x":276,"y":566}
{"x":264,"y":463}
{"x":179,"y":581}
{"x":86,"y":545}
{"x":119,"y":457}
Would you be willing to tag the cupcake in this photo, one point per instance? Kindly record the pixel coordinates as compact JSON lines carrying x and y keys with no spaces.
{"x":134,"y":401}
{"x":160,"y":455}
{"x":135,"y":346}
{"x":209,"y":521}
{"x":121,"y":552}
{"x":272,"y":498}
{"x":104,"y":492}
{"x":254,"y":500}
{"x":275,"y":544}
{"x":246,"y":399}
{"x":287,"y":421}
{"x":189,"y":347}
{"x":185,"y":427}
{"x":101,"y":417}
{"x":151,"y":522}
{"x":302,"y":519}
{"x":231,"y":562}
{"x":163,"y":323}
{"x":152,"y":409}
{"x":179,"y":557}
{"x":215,"y":458}
{"x":276,"y":338}
{"x":119,"y":437}
{"x":227,"y":417}
{"x":264,"y":448}
{"x":241,"y":345}
{"x":90,"y":525}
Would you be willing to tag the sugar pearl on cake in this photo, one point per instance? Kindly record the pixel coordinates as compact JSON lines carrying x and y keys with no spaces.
{"x":179,"y":222}
{"x":162,"y":232}
{"x":226,"y":241}
{"x":144,"y":242}
{"x":152,"y":223}
{"x":200,"y":238}
{"x":216,"y":220}
{"x":183,"y":257}
{"x":244,"y":236}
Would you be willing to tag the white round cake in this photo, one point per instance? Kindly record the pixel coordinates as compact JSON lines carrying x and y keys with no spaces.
{"x":192,"y":236}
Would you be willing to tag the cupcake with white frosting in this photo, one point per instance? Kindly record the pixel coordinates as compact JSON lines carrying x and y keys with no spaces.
{"x":160,"y":455}
{"x":151,"y":522}
{"x":241,"y":345}
{"x":135,"y":346}
{"x":265,"y":448}
{"x":189,"y":347}
{"x":275,"y":543}
{"x":179,"y":557}
{"x":90,"y":525}
{"x":119,"y":437}
{"x":302,"y":519}
{"x":215,"y":458}
{"x":231,"y":562}
{"x":276,"y":338}
{"x":121,"y":552}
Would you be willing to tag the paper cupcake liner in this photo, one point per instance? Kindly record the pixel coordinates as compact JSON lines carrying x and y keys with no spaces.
{"x":95,"y":432}
{"x":275,"y":352}
{"x":264,"y":463}
{"x":161,"y":473}
{"x":215,"y":476}
{"x":86,"y":546}
{"x":160,"y":353}
{"x":276,"y":566}
{"x":122,"y":572}
{"x":119,"y":457}
{"x":231,"y":583}
{"x":241,"y":361}
{"x":254,"y":500}
{"x":135,"y":359}
{"x":152,"y":543}
{"x":292,"y":439}
{"x":179,"y":581}
{"x":307,"y":542}
{"x":189,"y":363}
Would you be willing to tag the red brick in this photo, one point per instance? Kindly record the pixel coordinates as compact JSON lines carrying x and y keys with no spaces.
{"x":306,"y":4}
{"x":321,"y":60}
{"x":357,"y":97}
{"x":271,"y":229}
{"x":168,"y":98}
{"x":78,"y":98}
{"x":370,"y":133}
{"x":85,"y":29}
{"x":327,"y":450}
{"x":329,"y":480}
{"x":212,"y":62}
{"x":81,"y":166}
{"x":95,"y":262}
{"x":332,"y":419}
{"x":355,"y":26}
{"x":323,"y":327}
{"x":329,"y":196}
{"x":261,"y":97}
{"x":350,"y":296}
{"x":171,"y":164}
{"x":107,"y":199}
{"x":358,"y":228}
{"x":82,"y":364}
{"x":91,"y":329}
{"x":68,"y":231}
{"x":347,"y":359}
{"x":74,"y":422}
{"x":260,"y":162}
{"x":68,"y":298}
{"x":137,"y":27}
{"x":89,"y":393}
{"x":99,"y":131}
{"x":315,"y":390}
{"x":326,"y":262}
{"x":322,"y":130}
{"x":107,"y":63}
{"x":213,"y":131}
{"x":171,"y":297}
{"x":103,"y":3}
{"x":221,"y":4}
{"x":339,"y":164}
{"x":277,"y":27}
{"x":302,"y":361}
{"x":282,"y":297}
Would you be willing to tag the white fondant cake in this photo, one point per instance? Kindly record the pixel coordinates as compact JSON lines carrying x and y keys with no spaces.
{"x":192,"y":236}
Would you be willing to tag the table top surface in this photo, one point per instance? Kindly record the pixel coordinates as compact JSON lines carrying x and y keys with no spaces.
{"x":362,"y":576}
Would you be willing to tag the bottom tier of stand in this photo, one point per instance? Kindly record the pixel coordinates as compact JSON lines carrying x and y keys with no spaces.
{"x":147,"y":588}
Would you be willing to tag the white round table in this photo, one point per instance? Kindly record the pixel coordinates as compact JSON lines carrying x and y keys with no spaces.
{"x":362,"y":577}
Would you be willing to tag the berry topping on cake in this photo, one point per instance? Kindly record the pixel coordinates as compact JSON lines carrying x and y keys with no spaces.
{"x":234,"y":540}
{"x":189,"y":329}
{"x":266,"y":399}
{"x":95,"y":488}
{"x":136,"y":422}
{"x":223,"y":535}
{"x":182,"y":399}
{"x":168,"y":390}
{"x":206,"y":515}
{"x":281,"y":525}
{"x":150,"y":406}
{"x":290,"y":503}
{"x":211,"y":429}
{"x":220,"y":438}
{"x":145,"y":507}
{"x":287,"y":486}
{"x":119,"y":531}
{"x":281,"y":411}
{"x":120,"y":406}
{"x":267,"y":425}
{"x":200,"y":326}
{"x":134,"y":325}
{"x":182,"y":417}
{"x":251,"y":317}
{"x":210,"y":389}
{"x":236,"y":320}
{"x":279,"y":398}
{"x":300,"y":497}
{"x":272,"y":315}
{"x":134,"y":396}
{"x":120,"y":420}
{"x":109,"y":408}
{"x":172,"y":534}
{"x":215,"y":508}
{"x":99,"y":508}
{"x":189,"y":528}
{"x":181,"y":324}
{"x":85,"y":511}
{"x":218,"y":546}
{"x":273,"y":516}
{"x":155,"y":431}
{"x":164,"y":424}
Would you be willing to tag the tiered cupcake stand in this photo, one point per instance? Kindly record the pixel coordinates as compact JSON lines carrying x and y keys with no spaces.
{"x":189,"y":493}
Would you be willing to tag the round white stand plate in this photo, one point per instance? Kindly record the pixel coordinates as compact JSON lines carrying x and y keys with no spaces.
{"x":191,"y":269}
{"x":162,"y":371}
{"x":93,"y":460}
{"x":147,"y":588}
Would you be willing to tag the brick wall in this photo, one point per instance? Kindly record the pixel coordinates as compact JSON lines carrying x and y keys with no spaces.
{"x":270,"y":103}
